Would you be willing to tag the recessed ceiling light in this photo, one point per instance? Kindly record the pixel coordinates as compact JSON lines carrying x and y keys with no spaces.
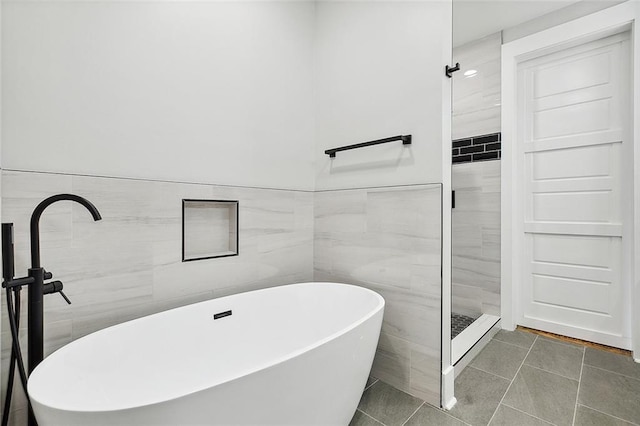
{"x":470,"y":73}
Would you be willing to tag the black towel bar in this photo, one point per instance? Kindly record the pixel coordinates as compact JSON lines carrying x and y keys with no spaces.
{"x":406,"y":140}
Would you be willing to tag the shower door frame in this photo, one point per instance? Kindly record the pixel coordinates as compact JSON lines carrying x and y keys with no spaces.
{"x":606,"y":22}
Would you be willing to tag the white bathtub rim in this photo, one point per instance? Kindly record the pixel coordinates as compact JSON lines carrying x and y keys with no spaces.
{"x":379,"y":308}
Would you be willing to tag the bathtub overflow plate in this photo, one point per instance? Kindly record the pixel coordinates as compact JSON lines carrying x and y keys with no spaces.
{"x":222,"y":314}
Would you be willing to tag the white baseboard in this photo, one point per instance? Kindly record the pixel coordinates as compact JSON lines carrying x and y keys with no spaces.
{"x":451,"y":403}
{"x":448,"y":378}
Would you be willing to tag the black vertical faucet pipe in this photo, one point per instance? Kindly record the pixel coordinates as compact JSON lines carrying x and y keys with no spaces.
{"x":35,"y":319}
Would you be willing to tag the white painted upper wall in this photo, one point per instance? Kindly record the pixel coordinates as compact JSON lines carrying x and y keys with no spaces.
{"x":380,"y":73}
{"x":211,"y":92}
{"x":238,"y":93}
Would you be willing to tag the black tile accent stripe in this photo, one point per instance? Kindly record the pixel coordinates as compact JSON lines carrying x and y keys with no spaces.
{"x":486,"y":156}
{"x":480,"y":140}
{"x":461,"y":142}
{"x":477,"y":148}
{"x":471,"y":149}
{"x":492,"y":146}
{"x":462,"y":159}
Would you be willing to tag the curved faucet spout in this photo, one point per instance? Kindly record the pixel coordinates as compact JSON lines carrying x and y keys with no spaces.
{"x":38,"y":274}
{"x":35,"y":220}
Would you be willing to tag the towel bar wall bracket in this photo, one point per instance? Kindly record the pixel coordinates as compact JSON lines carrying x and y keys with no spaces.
{"x":406,"y":140}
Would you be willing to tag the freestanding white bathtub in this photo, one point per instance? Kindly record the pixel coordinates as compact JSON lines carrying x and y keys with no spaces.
{"x":292,"y":355}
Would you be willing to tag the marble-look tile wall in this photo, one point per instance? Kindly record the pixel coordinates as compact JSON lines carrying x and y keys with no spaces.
{"x":129,"y":264}
{"x":476,"y":98}
{"x":476,"y":239}
{"x":388,"y":239}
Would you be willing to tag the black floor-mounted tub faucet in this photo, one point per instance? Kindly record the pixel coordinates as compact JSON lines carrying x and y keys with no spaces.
{"x":35,"y":281}
{"x":36,"y":291}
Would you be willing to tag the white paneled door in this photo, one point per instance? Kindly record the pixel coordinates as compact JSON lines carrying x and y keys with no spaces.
{"x":572,"y":121}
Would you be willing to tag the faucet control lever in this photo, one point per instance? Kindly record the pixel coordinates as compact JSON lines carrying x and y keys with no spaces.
{"x":64,"y":296}
{"x":48,"y":275}
{"x":55,"y":287}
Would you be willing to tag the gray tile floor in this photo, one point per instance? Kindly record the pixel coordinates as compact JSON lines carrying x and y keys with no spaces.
{"x":521,"y":379}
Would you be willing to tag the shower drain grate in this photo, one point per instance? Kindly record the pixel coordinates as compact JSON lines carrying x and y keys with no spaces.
{"x":458,"y":323}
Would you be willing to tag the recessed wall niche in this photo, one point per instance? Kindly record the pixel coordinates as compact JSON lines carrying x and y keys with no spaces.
{"x":209,"y":229}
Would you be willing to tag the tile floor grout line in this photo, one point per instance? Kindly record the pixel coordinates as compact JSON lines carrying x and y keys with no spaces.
{"x":612,"y":372}
{"x":413,"y":414}
{"x":528,"y":414}
{"x":371,"y":417}
{"x":493,"y":374}
{"x":561,"y":342}
{"x":455,"y":418}
{"x":551,"y":372}
{"x":367,"y":387}
{"x":610,"y":415}
{"x":575,"y":410}
{"x":512,"y":344}
{"x":512,"y":380}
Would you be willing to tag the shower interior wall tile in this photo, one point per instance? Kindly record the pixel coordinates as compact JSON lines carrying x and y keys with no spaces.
{"x":466,"y":300}
{"x":476,"y":239}
{"x":472,"y":271}
{"x":476,"y":99}
{"x":129,"y":264}
{"x":491,"y":243}
{"x":388,"y":240}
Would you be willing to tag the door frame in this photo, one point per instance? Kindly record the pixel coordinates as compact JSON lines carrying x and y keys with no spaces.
{"x":597,"y":25}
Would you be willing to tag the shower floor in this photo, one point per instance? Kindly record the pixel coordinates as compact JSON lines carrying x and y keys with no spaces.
{"x":459,"y":322}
